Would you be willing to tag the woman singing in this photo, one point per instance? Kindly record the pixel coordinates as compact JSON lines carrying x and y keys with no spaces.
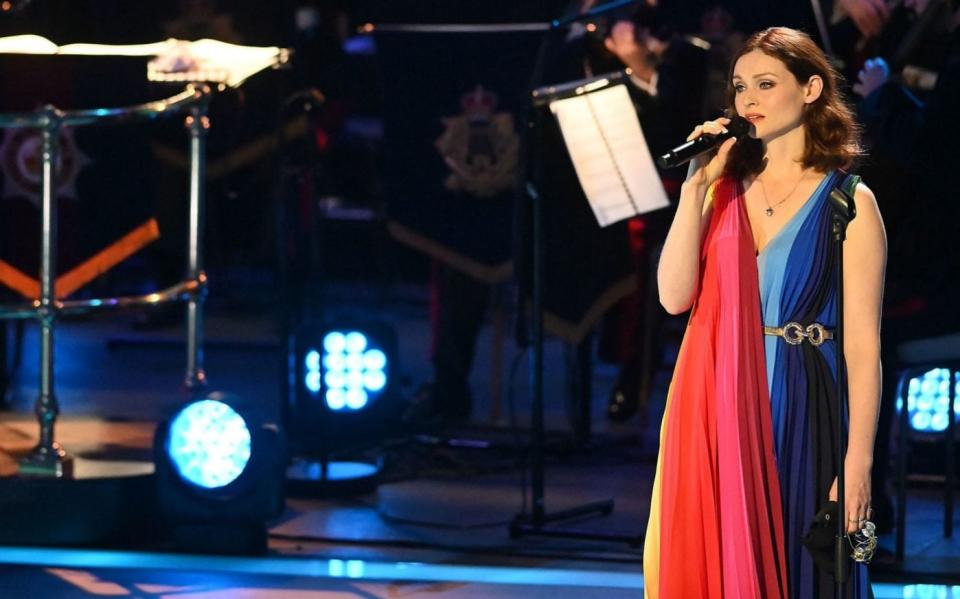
{"x":747,"y":445}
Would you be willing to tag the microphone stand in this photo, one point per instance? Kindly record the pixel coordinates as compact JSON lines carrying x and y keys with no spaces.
{"x":536,"y":523}
{"x":844,"y":210}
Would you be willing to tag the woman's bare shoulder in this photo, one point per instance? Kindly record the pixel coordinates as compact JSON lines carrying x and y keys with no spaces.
{"x":864,"y":194}
{"x":869,"y":221}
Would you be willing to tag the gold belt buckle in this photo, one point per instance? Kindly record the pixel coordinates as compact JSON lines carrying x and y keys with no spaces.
{"x":816,"y":334}
{"x":794,"y":333}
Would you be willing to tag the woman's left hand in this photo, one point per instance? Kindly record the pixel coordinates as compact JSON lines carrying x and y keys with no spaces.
{"x":856,"y":494}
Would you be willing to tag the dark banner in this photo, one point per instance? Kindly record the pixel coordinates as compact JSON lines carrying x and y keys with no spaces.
{"x":454,"y":106}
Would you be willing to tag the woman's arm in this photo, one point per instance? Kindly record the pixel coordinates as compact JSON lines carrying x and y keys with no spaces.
{"x":679,"y":268}
{"x":864,"y":262}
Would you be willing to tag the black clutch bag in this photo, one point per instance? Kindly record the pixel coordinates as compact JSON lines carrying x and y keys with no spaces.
{"x":821,"y":538}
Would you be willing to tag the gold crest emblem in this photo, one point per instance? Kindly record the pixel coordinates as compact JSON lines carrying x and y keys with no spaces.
{"x":480,"y":147}
{"x":20,"y":163}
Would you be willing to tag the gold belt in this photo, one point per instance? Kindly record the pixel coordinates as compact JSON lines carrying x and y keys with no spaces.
{"x":794,"y":333}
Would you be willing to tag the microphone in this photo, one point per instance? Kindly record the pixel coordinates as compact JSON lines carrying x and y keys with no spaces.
{"x":686,"y":152}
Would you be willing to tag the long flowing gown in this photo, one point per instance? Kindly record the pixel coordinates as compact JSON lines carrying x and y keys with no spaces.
{"x":747,"y":440}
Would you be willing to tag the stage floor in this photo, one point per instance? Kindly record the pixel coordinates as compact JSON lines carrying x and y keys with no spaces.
{"x":82,"y":574}
{"x":437,"y":527}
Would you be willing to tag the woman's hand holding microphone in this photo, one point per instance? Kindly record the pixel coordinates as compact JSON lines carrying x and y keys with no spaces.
{"x":706,"y":168}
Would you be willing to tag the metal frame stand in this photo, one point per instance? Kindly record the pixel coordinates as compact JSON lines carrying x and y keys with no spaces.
{"x":48,"y":458}
{"x":198,"y":123}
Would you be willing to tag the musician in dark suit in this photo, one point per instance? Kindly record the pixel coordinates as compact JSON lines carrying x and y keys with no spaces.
{"x":840,"y":18}
{"x":580,"y":286}
{"x":667,"y":84}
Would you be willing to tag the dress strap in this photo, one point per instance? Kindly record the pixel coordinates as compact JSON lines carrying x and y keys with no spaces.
{"x":849,"y":184}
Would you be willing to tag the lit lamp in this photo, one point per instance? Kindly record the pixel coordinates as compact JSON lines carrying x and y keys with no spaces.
{"x":343,"y":398}
{"x":927,"y":429}
{"x":928,"y":401}
{"x":219,"y":470}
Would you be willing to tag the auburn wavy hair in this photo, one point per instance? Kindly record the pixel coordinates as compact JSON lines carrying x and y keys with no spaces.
{"x":833,"y":135}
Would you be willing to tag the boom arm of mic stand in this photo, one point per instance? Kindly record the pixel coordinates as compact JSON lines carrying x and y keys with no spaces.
{"x":602,"y":9}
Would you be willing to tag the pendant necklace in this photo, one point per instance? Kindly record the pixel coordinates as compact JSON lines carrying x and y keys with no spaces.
{"x":770,"y":207}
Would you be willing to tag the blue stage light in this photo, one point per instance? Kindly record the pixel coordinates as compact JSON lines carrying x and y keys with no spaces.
{"x":336,"y":361}
{"x":336,"y":399}
{"x":335,"y":379}
{"x":356,"y":342}
{"x":346,"y":398}
{"x":374,"y":359}
{"x":939,"y":422}
{"x":313,"y":360}
{"x":312,"y":381}
{"x":354,"y":362}
{"x":356,"y":399}
{"x":929,"y":591}
{"x":334,"y":343}
{"x":928,"y":400}
{"x":374,"y":380}
{"x":921,"y":421}
{"x":219,"y":467}
{"x":351,"y":373}
{"x":209,"y":444}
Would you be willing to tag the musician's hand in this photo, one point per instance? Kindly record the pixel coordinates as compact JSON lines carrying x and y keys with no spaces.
{"x":874,"y":74}
{"x":707,"y":168}
{"x":917,"y":5}
{"x":622,"y":43}
{"x":868,"y":15}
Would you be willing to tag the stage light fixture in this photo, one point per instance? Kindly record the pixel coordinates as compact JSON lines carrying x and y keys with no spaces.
{"x":219,"y":471}
{"x":209,"y":443}
{"x":930,"y":591}
{"x":344,"y":398}
{"x":348,"y":370}
{"x":344,"y":379}
{"x":928,"y":401}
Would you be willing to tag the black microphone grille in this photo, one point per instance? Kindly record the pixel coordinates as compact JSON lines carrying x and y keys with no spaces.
{"x":738,"y":126}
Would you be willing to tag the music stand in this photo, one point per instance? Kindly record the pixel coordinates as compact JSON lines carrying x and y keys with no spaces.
{"x":536,"y":523}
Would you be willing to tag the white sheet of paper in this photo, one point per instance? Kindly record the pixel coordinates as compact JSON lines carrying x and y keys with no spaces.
{"x":607,"y":173}
{"x":176,"y":60}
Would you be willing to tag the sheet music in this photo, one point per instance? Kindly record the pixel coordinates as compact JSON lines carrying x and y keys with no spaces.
{"x":610,"y":154}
